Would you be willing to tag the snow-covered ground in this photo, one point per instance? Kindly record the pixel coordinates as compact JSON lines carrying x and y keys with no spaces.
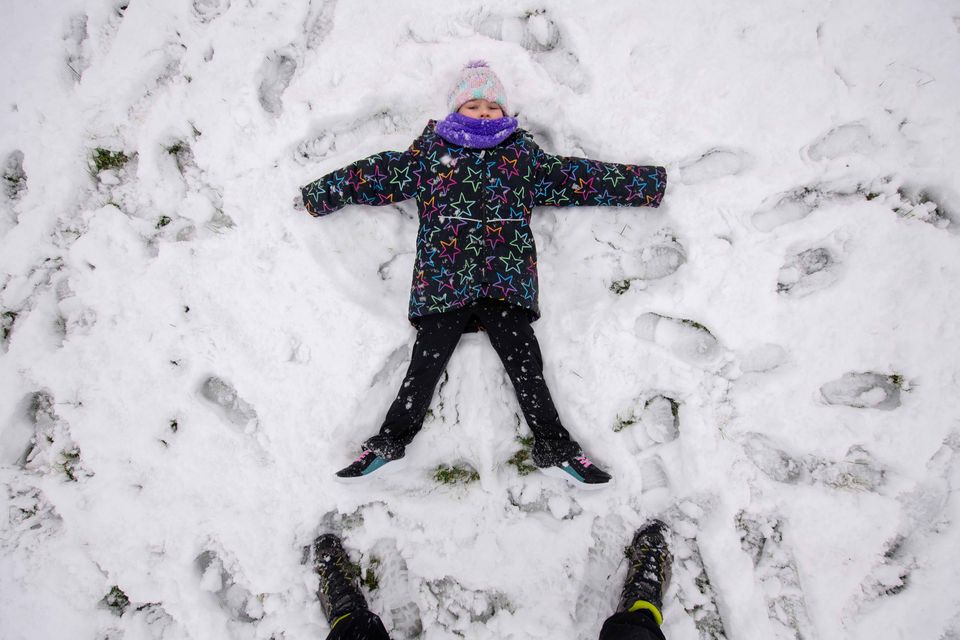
{"x":769,"y":361}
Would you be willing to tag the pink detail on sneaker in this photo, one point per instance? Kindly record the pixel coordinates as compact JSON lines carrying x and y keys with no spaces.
{"x":584,"y":460}
{"x":363,"y":455}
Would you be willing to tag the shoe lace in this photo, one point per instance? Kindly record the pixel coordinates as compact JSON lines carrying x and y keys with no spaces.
{"x":584,"y":460}
{"x":337,"y":580}
{"x":648,"y":561}
{"x":363,"y":455}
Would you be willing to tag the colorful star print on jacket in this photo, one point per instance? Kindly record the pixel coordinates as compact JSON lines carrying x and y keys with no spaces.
{"x":474,"y":206}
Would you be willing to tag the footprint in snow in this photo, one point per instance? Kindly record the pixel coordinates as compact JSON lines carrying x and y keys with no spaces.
{"x":384,"y":566}
{"x":275,"y":76}
{"x":856,"y":471}
{"x":761,"y":537}
{"x":319,"y":21}
{"x":335,"y":134}
{"x":31,"y":516}
{"x":653,"y":475}
{"x":554,"y":499}
{"x":867,"y":390}
{"x":457,"y":608}
{"x":929,"y":204}
{"x":657,"y":416}
{"x":235,"y":599}
{"x":847,"y":139}
{"x":238,"y":411}
{"x":808,"y":271}
{"x":687,"y":340}
{"x":537,"y":32}
{"x":52,"y":450}
{"x":714,"y":164}
{"x":772,"y":461}
{"x":534,"y":31}
{"x":202,"y":206}
{"x":656,"y":492}
{"x":690,"y":578}
{"x":661,"y":256}
{"x":924,"y":517}
{"x":75,"y":43}
{"x":604,"y":560}
{"x":14,"y":177}
{"x":208,"y":10}
{"x":661,"y":417}
{"x":796,"y":204}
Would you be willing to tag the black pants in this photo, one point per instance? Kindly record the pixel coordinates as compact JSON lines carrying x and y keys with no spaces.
{"x":512,"y":336}
{"x":639,"y":625}
{"x":359,"y":625}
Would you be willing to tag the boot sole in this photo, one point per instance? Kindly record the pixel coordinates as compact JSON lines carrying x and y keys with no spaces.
{"x":555,"y":472}
{"x":389,"y":469}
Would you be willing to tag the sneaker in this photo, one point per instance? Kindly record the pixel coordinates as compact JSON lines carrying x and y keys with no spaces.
{"x":580,"y":471}
{"x":339,"y":591}
{"x":649,"y":573}
{"x":367,"y":463}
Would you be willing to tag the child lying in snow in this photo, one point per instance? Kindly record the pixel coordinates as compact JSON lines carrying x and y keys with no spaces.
{"x":476,"y":178}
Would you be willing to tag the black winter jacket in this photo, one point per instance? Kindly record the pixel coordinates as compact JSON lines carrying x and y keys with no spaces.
{"x":474,"y":206}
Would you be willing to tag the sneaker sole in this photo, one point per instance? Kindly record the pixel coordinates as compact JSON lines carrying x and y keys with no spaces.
{"x":389,"y":469}
{"x":555,"y":472}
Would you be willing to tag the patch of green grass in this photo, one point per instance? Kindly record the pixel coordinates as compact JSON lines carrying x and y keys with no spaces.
{"x":106,"y":159}
{"x":455,"y":475}
{"x":694,"y":324}
{"x":116,"y":600}
{"x":71,"y":457}
{"x":370,"y":580}
{"x":6,"y":324}
{"x":521,"y":460}
{"x":14,"y":183}
{"x":176,"y":147}
{"x":26,"y":514}
{"x":623,"y":423}
{"x":620,"y":287}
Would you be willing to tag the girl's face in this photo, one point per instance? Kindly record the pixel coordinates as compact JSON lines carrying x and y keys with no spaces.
{"x":481,"y":109}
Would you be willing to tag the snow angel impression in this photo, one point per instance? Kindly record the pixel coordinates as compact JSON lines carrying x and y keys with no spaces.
{"x":477,"y":177}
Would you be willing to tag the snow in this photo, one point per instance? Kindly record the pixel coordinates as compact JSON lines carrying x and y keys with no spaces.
{"x":186,"y":359}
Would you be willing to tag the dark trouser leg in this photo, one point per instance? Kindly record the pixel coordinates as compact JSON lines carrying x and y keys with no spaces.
{"x":359,"y":625}
{"x":638,"y":625}
{"x":437,"y":337}
{"x":512,"y":337}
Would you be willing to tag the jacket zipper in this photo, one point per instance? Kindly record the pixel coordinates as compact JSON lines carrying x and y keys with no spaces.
{"x":483,"y":231}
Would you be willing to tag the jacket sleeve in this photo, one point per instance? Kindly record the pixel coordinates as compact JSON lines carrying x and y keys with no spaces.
{"x":383,"y":178}
{"x":565,"y":182}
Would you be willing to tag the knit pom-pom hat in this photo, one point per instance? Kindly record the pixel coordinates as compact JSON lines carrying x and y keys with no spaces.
{"x":477,"y":80}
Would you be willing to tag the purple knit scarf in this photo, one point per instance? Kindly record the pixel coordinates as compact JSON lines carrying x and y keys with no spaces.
{"x":475,"y":133}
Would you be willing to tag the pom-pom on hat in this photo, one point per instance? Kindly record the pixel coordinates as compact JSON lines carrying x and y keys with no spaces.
{"x":477,"y":80}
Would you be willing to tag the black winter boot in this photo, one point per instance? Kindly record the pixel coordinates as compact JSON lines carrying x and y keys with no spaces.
{"x":339,"y":592}
{"x":649,"y":572}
